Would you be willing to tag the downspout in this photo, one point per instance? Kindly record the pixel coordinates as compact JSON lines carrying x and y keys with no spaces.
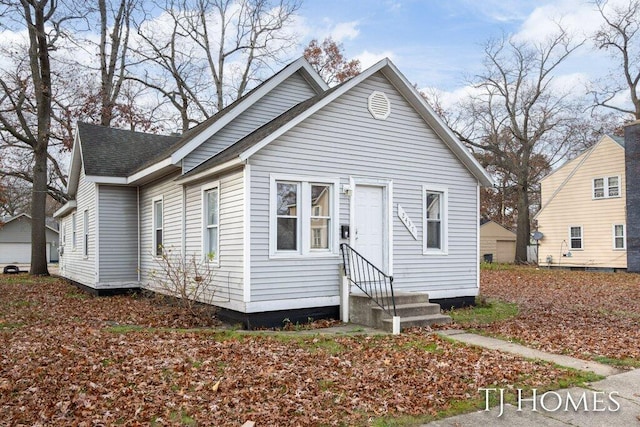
{"x":138,"y":216}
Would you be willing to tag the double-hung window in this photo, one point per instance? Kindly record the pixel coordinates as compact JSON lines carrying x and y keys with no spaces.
{"x":434,"y":220}
{"x":619,"y":237}
{"x":73,"y":230}
{"x":158,"y":227}
{"x":303,"y":216}
{"x":85,"y":239}
{"x":575,"y":237}
{"x":605,"y":187}
{"x":211,"y":223}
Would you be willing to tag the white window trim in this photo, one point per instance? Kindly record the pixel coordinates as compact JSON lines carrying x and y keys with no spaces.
{"x":74,"y":234}
{"x":85,"y":233}
{"x":444,"y":220}
{"x":304,"y":223}
{"x":624,"y":237}
{"x":203,"y":190}
{"x":605,"y":183}
{"x":581,"y":248}
{"x":154,"y":245}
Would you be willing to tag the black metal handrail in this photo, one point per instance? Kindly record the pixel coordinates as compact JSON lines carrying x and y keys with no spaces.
{"x":369,"y":279}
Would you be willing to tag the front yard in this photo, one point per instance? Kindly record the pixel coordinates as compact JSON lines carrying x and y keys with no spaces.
{"x":71,"y":359}
{"x":587,"y":315}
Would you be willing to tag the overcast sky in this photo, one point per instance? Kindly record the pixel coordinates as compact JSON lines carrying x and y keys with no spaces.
{"x":439,"y":43}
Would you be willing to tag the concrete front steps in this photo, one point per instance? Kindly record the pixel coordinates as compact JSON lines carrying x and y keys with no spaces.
{"x":414,"y":309}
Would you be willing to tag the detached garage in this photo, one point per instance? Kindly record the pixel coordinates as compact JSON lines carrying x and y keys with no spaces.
{"x":15,"y":241}
{"x":497,"y":243}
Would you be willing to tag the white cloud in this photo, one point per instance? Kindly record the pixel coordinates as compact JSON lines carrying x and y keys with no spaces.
{"x":367,"y":59}
{"x":345,"y":30}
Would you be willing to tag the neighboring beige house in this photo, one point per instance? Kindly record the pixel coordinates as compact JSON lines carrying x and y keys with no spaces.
{"x":582,"y":218}
{"x":497,"y":241}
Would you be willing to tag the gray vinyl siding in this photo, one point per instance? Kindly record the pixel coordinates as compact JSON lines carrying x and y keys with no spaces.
{"x":118,"y":234}
{"x":229,"y":274}
{"x":343,"y":140}
{"x":289,"y":93}
{"x":74,"y":265}
{"x":171,"y":229}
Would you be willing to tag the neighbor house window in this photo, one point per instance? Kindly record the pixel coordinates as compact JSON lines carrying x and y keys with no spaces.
{"x":302,"y":216}
{"x":85,"y":234}
{"x":211,"y":225}
{"x":157,"y":227}
{"x":73,"y":230}
{"x":575,"y":236}
{"x":605,"y":187}
{"x":619,"y":237}
{"x":434,"y":220}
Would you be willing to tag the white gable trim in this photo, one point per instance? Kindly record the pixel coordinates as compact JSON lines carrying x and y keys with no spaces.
{"x":246,"y":103}
{"x":149,"y":170}
{"x":106,"y":179}
{"x":76,"y":166}
{"x":29,"y":217}
{"x":414,"y":98}
{"x":65,"y":209}
{"x":212,"y":171}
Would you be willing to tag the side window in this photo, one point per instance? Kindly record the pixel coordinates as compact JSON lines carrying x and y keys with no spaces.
{"x":157,"y":227}
{"x":575,"y":235}
{"x":211,"y":222}
{"x":73,"y":230}
{"x":434,"y":220}
{"x":619,"y":237}
{"x":85,"y":233}
{"x":320,"y":216}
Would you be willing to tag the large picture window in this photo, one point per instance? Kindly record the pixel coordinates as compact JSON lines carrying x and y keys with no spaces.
{"x":434,"y":220}
{"x":211,"y":225}
{"x":303,"y":217}
{"x":157,"y":227}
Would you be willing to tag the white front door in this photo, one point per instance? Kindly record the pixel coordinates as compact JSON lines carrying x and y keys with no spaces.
{"x":370,"y":229}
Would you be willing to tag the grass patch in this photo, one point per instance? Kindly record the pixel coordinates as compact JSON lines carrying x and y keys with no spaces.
{"x":488,"y":312}
{"x":497,"y":266}
{"x":10,"y":326}
{"x":620,"y":363}
{"x":25,"y":279}
{"x":125,"y":329}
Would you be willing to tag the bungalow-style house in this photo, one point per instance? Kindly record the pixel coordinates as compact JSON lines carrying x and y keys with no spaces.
{"x":267,"y":190}
{"x":497,"y":243}
{"x":15,"y":241}
{"x":582,"y":218}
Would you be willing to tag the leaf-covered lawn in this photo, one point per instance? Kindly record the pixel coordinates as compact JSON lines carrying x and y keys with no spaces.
{"x":71,"y":359}
{"x":583,"y":314}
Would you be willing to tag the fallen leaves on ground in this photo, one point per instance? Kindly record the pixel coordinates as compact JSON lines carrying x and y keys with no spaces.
{"x":582,"y":314}
{"x":71,"y":359}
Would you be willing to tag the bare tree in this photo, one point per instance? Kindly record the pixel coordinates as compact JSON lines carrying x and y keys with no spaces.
{"x":26,"y":104}
{"x":620,"y":36}
{"x":329,"y":61}
{"x":215,"y":50}
{"x":518,"y":118}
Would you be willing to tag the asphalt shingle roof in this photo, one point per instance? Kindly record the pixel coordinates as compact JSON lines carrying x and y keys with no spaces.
{"x":117,"y":152}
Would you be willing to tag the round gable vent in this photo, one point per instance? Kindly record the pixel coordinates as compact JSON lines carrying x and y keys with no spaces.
{"x":379,"y":105}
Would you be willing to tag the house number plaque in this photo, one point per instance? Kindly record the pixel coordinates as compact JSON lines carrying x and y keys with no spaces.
{"x":407,"y":222}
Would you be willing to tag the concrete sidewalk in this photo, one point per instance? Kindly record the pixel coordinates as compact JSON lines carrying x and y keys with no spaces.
{"x":614,"y":401}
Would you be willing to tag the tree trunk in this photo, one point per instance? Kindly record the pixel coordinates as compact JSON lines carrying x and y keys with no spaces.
{"x":523,"y":231}
{"x":38,"y":205}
